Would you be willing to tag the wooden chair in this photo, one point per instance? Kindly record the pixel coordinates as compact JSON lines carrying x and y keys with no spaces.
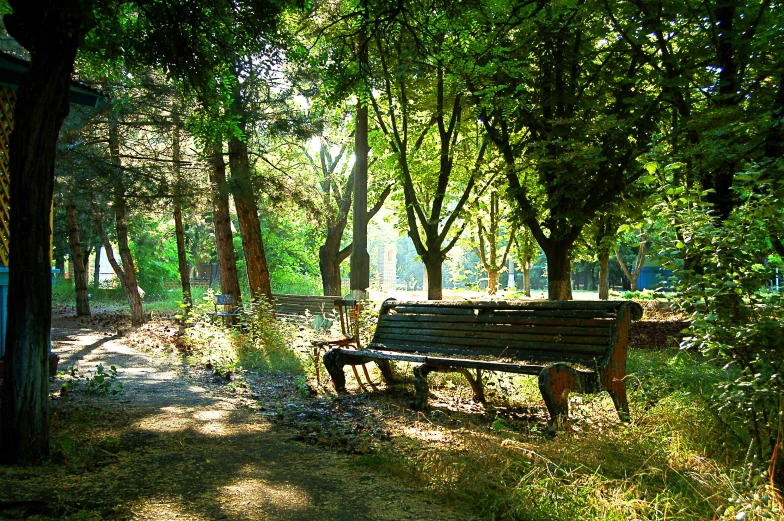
{"x":228,"y":311}
{"x":349,"y":311}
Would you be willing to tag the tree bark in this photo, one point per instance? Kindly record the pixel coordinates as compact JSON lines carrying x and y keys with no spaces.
{"x":360,"y":259}
{"x":633,"y":277}
{"x":330,"y":259}
{"x":97,"y":267}
{"x":129,"y":281}
{"x":221,"y":221}
{"x":182,"y":259}
{"x":53,"y":30}
{"x":433,"y":270}
{"x":604,"y":275}
{"x":247,"y":210}
{"x":80,"y":273}
{"x":527,"y":276}
{"x":559,"y":280}
{"x":492,"y":281}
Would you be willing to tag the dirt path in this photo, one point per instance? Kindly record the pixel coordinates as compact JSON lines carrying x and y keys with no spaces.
{"x":172,"y":446}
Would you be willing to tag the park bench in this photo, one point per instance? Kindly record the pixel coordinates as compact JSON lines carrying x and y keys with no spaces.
{"x":573,"y":346}
{"x":297,"y":307}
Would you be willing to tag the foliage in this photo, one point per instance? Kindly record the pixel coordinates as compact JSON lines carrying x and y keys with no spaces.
{"x":736,"y":320}
{"x":100,"y":383}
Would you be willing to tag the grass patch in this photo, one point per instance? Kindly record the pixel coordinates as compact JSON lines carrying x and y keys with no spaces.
{"x":675,"y":460}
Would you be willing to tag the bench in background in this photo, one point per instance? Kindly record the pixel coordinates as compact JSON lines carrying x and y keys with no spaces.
{"x":298,"y":306}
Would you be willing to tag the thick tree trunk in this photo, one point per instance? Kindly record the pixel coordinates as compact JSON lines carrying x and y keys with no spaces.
{"x":492,"y":281}
{"x":221,"y":220}
{"x":604,"y":275}
{"x":559,"y":280}
{"x":41,"y":107}
{"x":330,"y":272}
{"x":330,"y":258}
{"x":248,"y":216}
{"x":247,"y":210}
{"x":129,"y":281}
{"x":433,"y":270}
{"x":80,"y":273}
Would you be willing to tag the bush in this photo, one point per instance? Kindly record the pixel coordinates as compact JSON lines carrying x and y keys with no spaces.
{"x":735,"y":320}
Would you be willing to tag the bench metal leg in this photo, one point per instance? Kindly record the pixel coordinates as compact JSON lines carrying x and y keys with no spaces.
{"x":556,"y":381}
{"x":475,"y":383}
{"x":386,"y":371}
{"x":422,"y":388}
{"x":420,"y":385}
{"x":618,"y":395}
{"x":334,"y":362}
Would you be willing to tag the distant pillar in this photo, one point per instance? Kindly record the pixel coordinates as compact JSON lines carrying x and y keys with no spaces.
{"x":511,"y":282}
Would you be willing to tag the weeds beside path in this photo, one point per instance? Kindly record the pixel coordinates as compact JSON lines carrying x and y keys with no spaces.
{"x":174,"y":446}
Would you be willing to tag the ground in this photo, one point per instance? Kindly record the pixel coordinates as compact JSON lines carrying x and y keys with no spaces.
{"x":182,"y":443}
{"x":191,"y":442}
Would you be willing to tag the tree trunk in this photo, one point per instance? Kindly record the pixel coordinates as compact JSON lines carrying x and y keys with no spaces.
{"x":639,"y":263}
{"x":527,"y":277}
{"x":221,"y":221}
{"x":492,"y":281}
{"x":559,"y":280}
{"x":329,"y":266}
{"x":97,"y":267}
{"x":433,"y":271}
{"x":80,"y":274}
{"x":182,"y":259}
{"x":129,"y":281}
{"x":41,"y":107}
{"x":360,"y":259}
{"x":247,"y":210}
{"x":250,"y":225}
{"x":604,"y":275}
{"x":86,"y":252}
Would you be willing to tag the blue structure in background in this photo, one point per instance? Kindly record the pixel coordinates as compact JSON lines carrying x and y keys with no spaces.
{"x":4,"y":308}
{"x":653,"y":276}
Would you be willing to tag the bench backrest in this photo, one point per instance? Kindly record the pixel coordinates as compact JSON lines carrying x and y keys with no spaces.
{"x":298,"y":305}
{"x":580,"y":332}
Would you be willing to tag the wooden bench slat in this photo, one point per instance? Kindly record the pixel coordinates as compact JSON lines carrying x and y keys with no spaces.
{"x":493,"y":354}
{"x":497,"y":333}
{"x":447,"y":362}
{"x":432,"y":343}
{"x":517,"y":320}
{"x":491,"y":327}
{"x":545,"y":313}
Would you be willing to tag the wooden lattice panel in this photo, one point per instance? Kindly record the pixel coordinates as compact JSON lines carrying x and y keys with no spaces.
{"x":7,"y":101}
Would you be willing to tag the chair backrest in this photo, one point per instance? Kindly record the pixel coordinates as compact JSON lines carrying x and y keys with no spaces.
{"x":349,"y":317}
{"x":225,"y":300}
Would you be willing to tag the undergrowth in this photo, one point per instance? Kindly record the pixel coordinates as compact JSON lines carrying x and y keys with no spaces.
{"x":256,"y":342}
{"x":675,"y":460}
